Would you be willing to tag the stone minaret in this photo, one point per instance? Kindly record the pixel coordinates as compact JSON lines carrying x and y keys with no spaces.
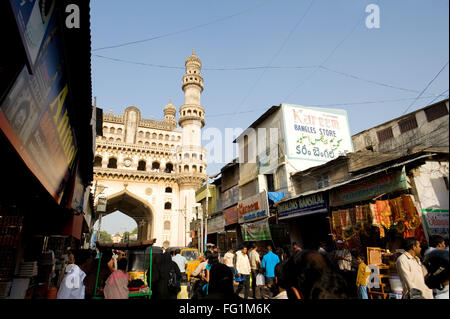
{"x":191,"y":156}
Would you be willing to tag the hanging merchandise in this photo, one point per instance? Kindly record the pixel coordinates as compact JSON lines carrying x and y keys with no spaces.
{"x":398,"y":212}
{"x":385,"y":213}
{"x":336,"y":228}
{"x":376,"y":218}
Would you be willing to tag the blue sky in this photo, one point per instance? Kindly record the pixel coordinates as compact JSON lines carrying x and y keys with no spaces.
{"x":406,"y":52}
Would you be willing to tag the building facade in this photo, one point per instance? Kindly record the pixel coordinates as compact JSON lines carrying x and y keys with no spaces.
{"x":150,"y":169}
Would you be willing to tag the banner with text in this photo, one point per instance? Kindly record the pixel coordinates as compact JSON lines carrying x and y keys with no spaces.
{"x":369,"y":188}
{"x":256,"y":231}
{"x":34,"y":114}
{"x":306,"y":205}
{"x":253,"y":208}
{"x":231,"y":215}
{"x":315,"y":135}
{"x":436,"y":221}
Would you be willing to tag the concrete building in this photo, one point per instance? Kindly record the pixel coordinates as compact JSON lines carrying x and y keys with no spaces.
{"x":150,"y":169}
{"x":427,"y":127}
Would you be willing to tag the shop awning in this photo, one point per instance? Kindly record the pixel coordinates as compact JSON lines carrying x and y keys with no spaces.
{"x":356,"y":178}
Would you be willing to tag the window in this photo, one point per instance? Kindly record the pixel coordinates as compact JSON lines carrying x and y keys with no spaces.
{"x":142,"y":166}
{"x":407,"y":124}
{"x":166,"y":225}
{"x":169,"y":168}
{"x":98,"y":161}
{"x":154,"y":135}
{"x":167,"y":137}
{"x":194,"y":168}
{"x":155,"y":165}
{"x":119,"y":131}
{"x":112,"y":130}
{"x":112,"y":163}
{"x":186,"y":156}
{"x":161,"y":136}
{"x":270,"y":183}
{"x":111,"y":139}
{"x":186,"y":168}
{"x":168,"y":205}
{"x":201,"y":169}
{"x":194,"y":156}
{"x":385,"y":134}
{"x":168,"y":189}
{"x":201,"y":157}
{"x":154,"y":144}
{"x":118,"y":140}
{"x":436,"y":111}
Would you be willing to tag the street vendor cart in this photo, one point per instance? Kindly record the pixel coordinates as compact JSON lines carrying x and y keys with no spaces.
{"x":141,"y":253}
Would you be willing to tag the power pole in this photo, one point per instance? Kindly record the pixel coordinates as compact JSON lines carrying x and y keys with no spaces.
{"x":206,"y":208}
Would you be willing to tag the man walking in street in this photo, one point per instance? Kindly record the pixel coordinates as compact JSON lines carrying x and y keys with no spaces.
{"x":181,"y":261}
{"x":410,"y":270}
{"x":255,"y":265}
{"x":270,"y":260}
{"x":243,"y":270}
{"x":228,"y":260}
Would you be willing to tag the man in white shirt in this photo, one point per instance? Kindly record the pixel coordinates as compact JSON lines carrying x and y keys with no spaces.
{"x":410,"y":270}
{"x":181,"y":261}
{"x":255,"y":264}
{"x":343,"y":257}
{"x":228,"y":259}
{"x":243,"y":269}
{"x":201,"y":267}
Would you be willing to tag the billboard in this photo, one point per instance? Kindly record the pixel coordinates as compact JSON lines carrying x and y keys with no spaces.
{"x":315,"y":135}
{"x":253,"y":208}
{"x":34,"y":116}
{"x":301,"y":206}
{"x":436,"y":221}
{"x":33,"y":18}
{"x":230,"y":196}
{"x":231,"y":215}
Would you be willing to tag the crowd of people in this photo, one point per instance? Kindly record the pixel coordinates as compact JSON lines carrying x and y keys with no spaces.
{"x":260,"y":273}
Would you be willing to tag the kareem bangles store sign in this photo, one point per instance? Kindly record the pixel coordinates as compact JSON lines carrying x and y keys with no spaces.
{"x":369,"y":188}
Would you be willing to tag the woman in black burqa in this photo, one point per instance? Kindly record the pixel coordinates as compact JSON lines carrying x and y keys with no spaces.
{"x":162,"y":264}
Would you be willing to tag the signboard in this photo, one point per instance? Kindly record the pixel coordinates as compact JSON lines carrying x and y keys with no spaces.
{"x":230,"y":196}
{"x":436,"y":221}
{"x":33,"y":18}
{"x":34,"y":115}
{"x":216,"y":224}
{"x":302,"y":206}
{"x":101,"y":204}
{"x":253,"y":208}
{"x":231,"y":215}
{"x":315,"y":135}
{"x":256,"y":231}
{"x":369,"y":188}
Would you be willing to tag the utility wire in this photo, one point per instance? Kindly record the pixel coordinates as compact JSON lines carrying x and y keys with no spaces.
{"x":437,"y":97}
{"x":325,"y":105}
{"x":276,"y":54}
{"x":251,"y":68}
{"x":326,"y":59}
{"x":183,"y":30}
{"x":428,"y":85}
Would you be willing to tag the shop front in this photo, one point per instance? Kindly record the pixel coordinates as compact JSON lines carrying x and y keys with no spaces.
{"x":46,"y":139}
{"x":372,"y":216}
{"x":216,"y":231}
{"x":233,"y":236}
{"x":306,"y":219}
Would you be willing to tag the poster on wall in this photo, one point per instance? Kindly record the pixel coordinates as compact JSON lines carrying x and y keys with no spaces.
{"x":33,"y":18}
{"x":256,"y":231}
{"x":216,"y":224}
{"x":34,"y":116}
{"x":231,"y":215}
{"x":230,"y":196}
{"x":315,"y":135}
{"x":253,"y":208}
{"x":436,"y":221}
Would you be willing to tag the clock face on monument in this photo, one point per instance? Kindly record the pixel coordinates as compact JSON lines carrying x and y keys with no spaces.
{"x":127,"y":163}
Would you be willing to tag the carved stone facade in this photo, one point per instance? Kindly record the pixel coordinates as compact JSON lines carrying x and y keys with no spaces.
{"x":151,"y":169}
